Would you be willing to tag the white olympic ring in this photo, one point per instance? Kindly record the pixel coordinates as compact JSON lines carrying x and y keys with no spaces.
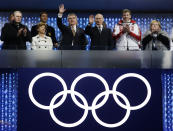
{"x":43,"y":75}
{"x":85,"y":105}
{"x":89,"y":75}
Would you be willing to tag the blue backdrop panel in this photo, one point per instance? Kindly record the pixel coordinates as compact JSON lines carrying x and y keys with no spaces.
{"x":33,"y":118}
{"x":8,"y":99}
{"x":167,"y":81}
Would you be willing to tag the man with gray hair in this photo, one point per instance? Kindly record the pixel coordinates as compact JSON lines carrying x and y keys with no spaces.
{"x":101,"y":36}
{"x":73,"y":37}
{"x":15,"y":34}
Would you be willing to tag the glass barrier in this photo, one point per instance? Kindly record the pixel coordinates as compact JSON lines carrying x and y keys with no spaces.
{"x":85,"y":59}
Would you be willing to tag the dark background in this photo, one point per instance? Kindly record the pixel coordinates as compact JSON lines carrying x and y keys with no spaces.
{"x":113,"y":5}
{"x":31,"y":118}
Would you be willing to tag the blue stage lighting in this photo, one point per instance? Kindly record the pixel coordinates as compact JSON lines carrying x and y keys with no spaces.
{"x":8,"y":101}
{"x":167,"y":82}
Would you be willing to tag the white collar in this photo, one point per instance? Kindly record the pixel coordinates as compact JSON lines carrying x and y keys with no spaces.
{"x":127,"y":21}
{"x":99,"y":26}
{"x":41,"y":37}
{"x":74,"y":27}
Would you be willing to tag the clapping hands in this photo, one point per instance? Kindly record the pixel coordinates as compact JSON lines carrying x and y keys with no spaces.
{"x":126,"y":29}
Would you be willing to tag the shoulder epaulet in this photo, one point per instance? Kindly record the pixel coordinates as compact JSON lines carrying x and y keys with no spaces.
{"x":120,"y":22}
{"x":133,"y":22}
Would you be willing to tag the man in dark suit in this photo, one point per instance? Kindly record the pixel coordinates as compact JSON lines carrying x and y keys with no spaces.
{"x":14,"y":34}
{"x":101,"y":36}
{"x":50,"y":31}
{"x":73,"y":37}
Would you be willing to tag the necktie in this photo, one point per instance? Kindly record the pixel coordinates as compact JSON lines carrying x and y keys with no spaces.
{"x":100,"y":29}
{"x":73,"y":31}
{"x":18,"y":26}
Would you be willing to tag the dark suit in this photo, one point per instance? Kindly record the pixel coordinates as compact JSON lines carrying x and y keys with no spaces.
{"x":11,"y":40}
{"x":50,"y":31}
{"x":100,"y":41}
{"x":79,"y":40}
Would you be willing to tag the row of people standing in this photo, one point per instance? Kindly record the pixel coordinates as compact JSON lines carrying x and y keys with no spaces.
{"x":15,"y":35}
{"x":126,"y":34}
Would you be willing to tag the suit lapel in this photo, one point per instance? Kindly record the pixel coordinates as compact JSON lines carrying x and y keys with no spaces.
{"x":103,"y":30}
{"x":96,"y":29}
{"x":69,"y":27}
{"x":77,"y":30}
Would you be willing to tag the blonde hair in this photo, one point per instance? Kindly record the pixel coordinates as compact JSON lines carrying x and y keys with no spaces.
{"x":155,"y":21}
{"x":126,"y":10}
{"x":41,"y":24}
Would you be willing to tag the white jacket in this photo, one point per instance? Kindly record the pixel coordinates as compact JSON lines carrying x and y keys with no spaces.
{"x":41,"y":43}
{"x":127,"y":41}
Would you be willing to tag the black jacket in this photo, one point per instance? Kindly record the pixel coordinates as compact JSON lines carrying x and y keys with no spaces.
{"x":10,"y":38}
{"x":159,"y":42}
{"x":50,"y":31}
{"x":100,"y":41}
{"x":79,"y":40}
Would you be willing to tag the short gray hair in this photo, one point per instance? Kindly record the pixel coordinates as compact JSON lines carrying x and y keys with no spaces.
{"x":17,"y":11}
{"x":72,"y":14}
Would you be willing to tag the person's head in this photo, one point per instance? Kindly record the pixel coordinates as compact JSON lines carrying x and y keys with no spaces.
{"x":155,"y":26}
{"x":41,"y":28}
{"x":72,"y":19}
{"x":17,"y":16}
{"x":126,"y":14}
{"x":11,"y":17}
{"x":99,"y":19}
{"x":44,"y":17}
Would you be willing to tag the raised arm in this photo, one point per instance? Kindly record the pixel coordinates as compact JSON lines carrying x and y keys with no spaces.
{"x":61,"y":26}
{"x":88,"y":29}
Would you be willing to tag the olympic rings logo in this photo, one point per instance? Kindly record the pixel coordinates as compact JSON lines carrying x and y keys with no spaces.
{"x":85,"y":105}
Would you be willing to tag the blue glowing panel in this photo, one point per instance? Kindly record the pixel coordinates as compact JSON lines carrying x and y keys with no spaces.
{"x":167,"y":81}
{"x":8,"y":101}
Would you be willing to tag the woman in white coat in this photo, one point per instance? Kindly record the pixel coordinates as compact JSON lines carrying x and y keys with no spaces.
{"x":41,"y":41}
